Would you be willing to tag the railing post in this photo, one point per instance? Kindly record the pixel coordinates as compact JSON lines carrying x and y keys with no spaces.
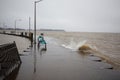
{"x":31,"y":38}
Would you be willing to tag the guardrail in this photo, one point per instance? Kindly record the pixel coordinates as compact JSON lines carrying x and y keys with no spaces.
{"x":9,"y":59}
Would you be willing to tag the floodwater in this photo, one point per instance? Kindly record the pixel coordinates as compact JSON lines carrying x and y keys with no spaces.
{"x":105,"y":45}
{"x":59,"y":63}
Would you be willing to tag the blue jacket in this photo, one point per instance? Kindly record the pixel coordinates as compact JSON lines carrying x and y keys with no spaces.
{"x":41,"y":40}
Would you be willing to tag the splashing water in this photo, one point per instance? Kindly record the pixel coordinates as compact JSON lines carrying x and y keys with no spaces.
{"x":74,"y":45}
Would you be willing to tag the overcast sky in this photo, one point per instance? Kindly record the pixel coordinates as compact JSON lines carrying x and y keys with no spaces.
{"x":71,"y":15}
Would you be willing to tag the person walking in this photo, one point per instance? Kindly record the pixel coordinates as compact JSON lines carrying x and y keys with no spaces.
{"x":41,"y":41}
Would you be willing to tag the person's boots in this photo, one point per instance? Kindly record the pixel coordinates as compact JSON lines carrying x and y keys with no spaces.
{"x":45,"y":47}
{"x":38,"y":45}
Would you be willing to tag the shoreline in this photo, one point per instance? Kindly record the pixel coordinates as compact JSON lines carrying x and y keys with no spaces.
{"x":105,"y":58}
{"x":107,"y":44}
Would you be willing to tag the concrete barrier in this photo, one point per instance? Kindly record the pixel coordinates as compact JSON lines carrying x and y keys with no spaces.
{"x":29,"y":36}
{"x":9,"y":59}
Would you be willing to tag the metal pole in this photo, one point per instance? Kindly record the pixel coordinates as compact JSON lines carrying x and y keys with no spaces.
{"x":34,"y":22}
{"x":16,"y":23}
{"x":3,"y":27}
{"x":15,"y":26}
{"x":29,"y":24}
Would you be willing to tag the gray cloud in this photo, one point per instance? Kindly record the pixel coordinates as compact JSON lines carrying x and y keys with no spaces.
{"x":71,"y":15}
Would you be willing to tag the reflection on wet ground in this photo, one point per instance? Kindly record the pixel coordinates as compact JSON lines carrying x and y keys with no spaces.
{"x":42,"y":51}
{"x":58,"y":63}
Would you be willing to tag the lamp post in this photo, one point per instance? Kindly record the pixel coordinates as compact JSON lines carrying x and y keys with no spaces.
{"x":35,"y":20}
{"x":29,"y":24}
{"x":16,"y":23}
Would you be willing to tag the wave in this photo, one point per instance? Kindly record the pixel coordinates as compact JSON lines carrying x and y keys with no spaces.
{"x":85,"y":48}
{"x":74,"y":45}
{"x":79,"y":46}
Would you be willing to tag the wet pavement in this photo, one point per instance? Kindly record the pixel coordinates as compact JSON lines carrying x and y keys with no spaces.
{"x":59,"y":63}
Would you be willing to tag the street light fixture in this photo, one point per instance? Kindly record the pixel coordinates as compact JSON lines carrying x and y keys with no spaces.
{"x":35,"y":20}
{"x":16,"y":23}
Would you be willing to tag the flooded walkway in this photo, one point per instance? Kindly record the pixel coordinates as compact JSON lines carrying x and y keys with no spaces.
{"x":58,"y":63}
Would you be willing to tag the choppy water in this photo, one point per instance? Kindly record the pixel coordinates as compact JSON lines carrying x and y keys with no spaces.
{"x":105,"y":44}
{"x":58,"y":63}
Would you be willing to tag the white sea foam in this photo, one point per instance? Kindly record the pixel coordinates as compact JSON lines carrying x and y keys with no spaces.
{"x":74,"y":45}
